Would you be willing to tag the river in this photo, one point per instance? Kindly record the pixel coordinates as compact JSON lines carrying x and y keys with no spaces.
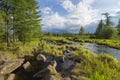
{"x":96,"y":48}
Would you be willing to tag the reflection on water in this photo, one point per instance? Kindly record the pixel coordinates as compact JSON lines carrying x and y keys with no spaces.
{"x":95,"y":48}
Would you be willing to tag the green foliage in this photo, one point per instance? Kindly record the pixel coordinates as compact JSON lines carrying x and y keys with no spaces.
{"x":82,"y":31}
{"x":118,"y":26}
{"x":91,"y":66}
{"x":22,"y":20}
{"x":29,"y":25}
{"x":108,"y":32}
{"x":110,"y":43}
{"x":51,"y":49}
{"x":96,"y":67}
{"x":17,"y":50}
{"x":99,"y":29}
{"x":1,"y":27}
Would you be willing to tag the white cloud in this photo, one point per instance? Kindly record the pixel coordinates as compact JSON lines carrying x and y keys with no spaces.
{"x":67,"y":4}
{"x":47,"y":11}
{"x":53,"y":21}
{"x":88,"y":1}
{"x":114,"y":12}
{"x":81,"y":13}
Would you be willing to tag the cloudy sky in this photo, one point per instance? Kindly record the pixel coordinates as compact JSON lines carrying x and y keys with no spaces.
{"x":69,"y":15}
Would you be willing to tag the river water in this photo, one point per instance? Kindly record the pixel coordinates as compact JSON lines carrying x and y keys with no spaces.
{"x":96,"y":48}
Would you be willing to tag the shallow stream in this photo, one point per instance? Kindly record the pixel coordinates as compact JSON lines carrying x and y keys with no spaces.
{"x":96,"y":48}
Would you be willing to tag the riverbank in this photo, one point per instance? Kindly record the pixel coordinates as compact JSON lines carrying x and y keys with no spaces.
{"x":110,"y":43}
{"x":57,"y":58}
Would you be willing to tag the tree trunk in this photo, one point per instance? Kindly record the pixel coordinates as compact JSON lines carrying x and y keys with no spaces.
{"x":7,"y":34}
{"x":7,"y":26}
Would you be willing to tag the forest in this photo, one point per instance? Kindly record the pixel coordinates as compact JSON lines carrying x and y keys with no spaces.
{"x":28,"y":53}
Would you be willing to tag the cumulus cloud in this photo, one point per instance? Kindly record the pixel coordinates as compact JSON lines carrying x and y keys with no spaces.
{"x":68,"y":5}
{"x":47,"y":11}
{"x":79,"y":14}
{"x":53,"y":21}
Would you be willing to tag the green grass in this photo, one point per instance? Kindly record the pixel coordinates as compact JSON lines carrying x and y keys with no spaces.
{"x":17,"y":50}
{"x":91,"y":67}
{"x":96,"y":67}
{"x":51,"y":49}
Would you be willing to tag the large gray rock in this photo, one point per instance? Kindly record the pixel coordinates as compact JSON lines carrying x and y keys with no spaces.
{"x":27,"y":66}
{"x":41,"y":57}
{"x":49,"y":70}
{"x":11,"y":77}
{"x":1,"y":77}
{"x":10,"y":66}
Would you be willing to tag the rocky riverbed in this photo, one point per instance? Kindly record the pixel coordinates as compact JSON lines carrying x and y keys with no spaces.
{"x":39,"y":67}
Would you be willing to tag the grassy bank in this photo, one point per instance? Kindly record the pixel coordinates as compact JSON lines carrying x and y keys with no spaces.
{"x":110,"y":43}
{"x":18,"y":50}
{"x":90,"y":66}
{"x":94,"y":67}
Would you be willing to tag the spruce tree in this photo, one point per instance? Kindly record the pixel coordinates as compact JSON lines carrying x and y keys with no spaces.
{"x":82,"y":31}
{"x":99,"y":29}
{"x":31,"y":21}
{"x":5,"y":8}
{"x":118,"y":27}
{"x":2,"y":24}
{"x":22,"y":19}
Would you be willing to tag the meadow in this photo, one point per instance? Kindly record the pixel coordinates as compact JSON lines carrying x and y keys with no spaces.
{"x":87,"y":66}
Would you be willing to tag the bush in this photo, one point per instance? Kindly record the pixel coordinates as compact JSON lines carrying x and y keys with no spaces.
{"x":108,"y":32}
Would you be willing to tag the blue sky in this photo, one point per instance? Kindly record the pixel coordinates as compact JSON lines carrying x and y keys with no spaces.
{"x":70,"y":15}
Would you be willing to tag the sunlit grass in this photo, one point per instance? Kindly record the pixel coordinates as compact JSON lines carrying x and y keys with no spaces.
{"x":97,"y":67}
{"x":90,"y":67}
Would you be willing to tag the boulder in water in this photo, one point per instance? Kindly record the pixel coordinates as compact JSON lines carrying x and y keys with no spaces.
{"x":41,"y":57}
{"x":49,"y":70}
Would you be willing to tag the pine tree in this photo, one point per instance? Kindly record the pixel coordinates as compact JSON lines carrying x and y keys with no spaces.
{"x":22,"y":19}
{"x":118,"y":26}
{"x":5,"y":7}
{"x":99,"y":29}
{"x":31,"y":21}
{"x":2,"y":24}
{"x":82,"y":31}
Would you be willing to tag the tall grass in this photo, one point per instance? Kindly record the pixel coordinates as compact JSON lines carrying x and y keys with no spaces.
{"x":97,"y":67}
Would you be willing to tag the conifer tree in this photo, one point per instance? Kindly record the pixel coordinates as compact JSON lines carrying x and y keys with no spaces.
{"x":31,"y":21}
{"x":22,"y":19}
{"x":82,"y":31}
{"x":118,"y":27}
{"x":99,"y":29}
{"x":5,"y":8}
